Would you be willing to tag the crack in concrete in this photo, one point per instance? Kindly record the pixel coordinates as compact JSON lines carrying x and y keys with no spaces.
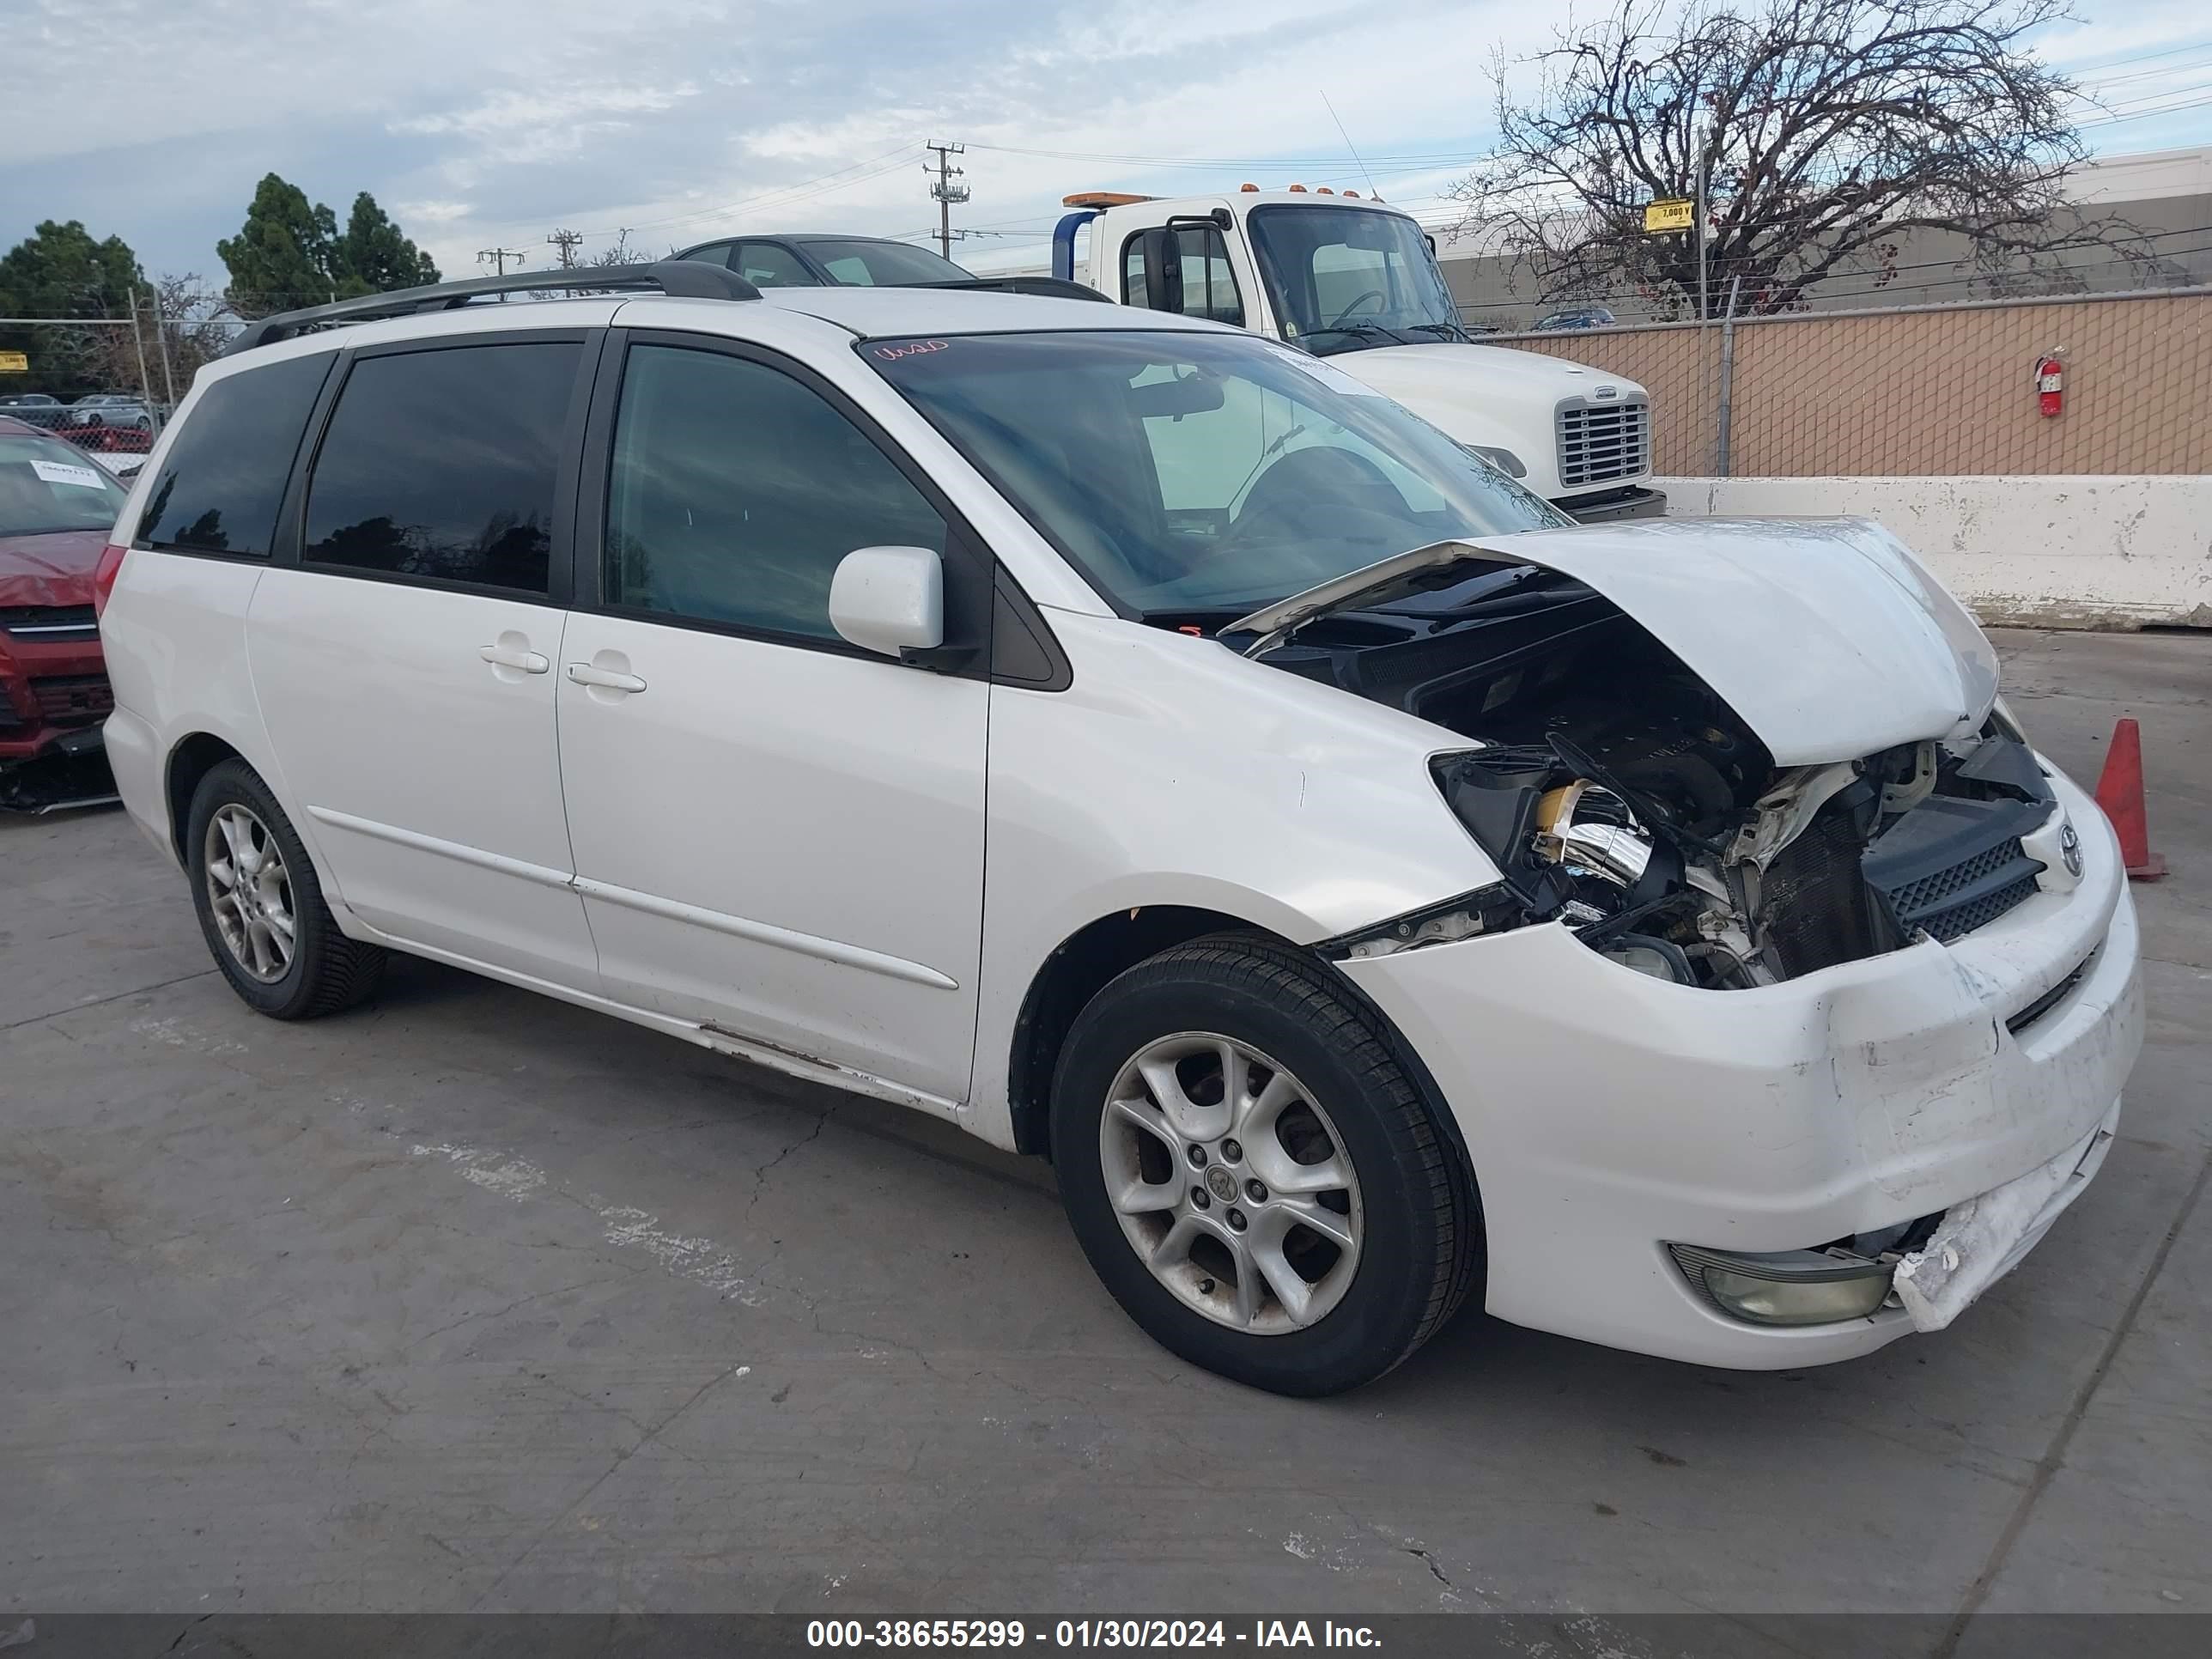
{"x":496,"y":1313}
{"x":1430,"y":1561}
{"x":760,"y":1171}
{"x":101,"y":1002}
{"x":612,"y":1469}
{"x":2054,"y":1456}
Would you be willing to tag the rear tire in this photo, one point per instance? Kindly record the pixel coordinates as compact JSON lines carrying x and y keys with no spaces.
{"x":260,"y":903}
{"x":1227,"y":1108}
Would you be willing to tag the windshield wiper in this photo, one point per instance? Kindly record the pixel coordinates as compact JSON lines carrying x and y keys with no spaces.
{"x":1450,"y":331}
{"x":1361,"y":331}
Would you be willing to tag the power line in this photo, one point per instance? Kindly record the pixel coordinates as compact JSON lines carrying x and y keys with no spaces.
{"x":2146,"y":57}
{"x":1228,"y":162}
{"x":781,"y":195}
{"x":2145,"y":114}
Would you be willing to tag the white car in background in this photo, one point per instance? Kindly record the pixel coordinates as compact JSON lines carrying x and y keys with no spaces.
{"x":1143,"y":745}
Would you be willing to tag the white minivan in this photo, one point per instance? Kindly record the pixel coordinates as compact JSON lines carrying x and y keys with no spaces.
{"x":1145,"y":746}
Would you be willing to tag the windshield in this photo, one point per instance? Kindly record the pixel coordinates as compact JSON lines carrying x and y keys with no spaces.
{"x":1343,"y":278}
{"x":1188,"y":473}
{"x":883,"y":265}
{"x":47,"y":486}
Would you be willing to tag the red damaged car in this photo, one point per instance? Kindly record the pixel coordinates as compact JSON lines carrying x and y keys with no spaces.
{"x":56,"y":506}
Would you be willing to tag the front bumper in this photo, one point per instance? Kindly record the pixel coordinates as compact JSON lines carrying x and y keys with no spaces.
{"x":1608,"y":1114}
{"x":53,"y":697}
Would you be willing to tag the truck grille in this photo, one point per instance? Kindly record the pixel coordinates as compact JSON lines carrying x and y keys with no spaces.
{"x":74,"y":699}
{"x":1600,"y":443}
{"x":1970,"y":894}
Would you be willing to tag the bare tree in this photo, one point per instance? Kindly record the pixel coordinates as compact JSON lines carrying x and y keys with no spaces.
{"x":181,"y":316}
{"x":618,"y":252}
{"x":1822,"y":131}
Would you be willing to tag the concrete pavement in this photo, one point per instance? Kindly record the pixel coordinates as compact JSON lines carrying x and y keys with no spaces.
{"x":471,"y":1300}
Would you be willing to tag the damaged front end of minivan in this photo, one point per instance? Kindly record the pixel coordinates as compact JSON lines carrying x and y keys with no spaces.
{"x":1765,"y":759}
{"x":1621,"y":794}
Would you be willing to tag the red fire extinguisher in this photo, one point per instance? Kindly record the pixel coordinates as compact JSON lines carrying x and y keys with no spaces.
{"x":2051,"y":386}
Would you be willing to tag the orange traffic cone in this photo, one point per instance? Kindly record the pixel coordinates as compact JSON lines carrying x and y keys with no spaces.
{"x":2120,"y":792}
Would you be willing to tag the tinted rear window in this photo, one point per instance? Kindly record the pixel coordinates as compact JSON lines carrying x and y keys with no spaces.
{"x":440,"y":465}
{"x":223,"y":478}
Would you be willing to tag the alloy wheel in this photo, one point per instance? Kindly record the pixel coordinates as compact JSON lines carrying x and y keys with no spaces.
{"x":1231,"y":1183}
{"x":250,"y":892}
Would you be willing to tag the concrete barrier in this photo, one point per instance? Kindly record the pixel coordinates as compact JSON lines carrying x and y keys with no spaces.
{"x":2039,"y":551}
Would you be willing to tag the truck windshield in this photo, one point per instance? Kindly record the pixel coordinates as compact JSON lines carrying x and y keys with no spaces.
{"x":1193,"y":473}
{"x":1345,"y":278}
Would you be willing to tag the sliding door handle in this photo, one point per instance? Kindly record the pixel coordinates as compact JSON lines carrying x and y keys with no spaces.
{"x":606,"y":679}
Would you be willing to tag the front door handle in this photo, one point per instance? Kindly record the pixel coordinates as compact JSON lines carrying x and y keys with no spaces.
{"x":518,"y":658}
{"x":584,"y":673}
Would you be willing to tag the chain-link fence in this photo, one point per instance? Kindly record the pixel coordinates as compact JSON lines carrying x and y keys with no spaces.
{"x":1921,"y":391}
{"x":109,"y":381}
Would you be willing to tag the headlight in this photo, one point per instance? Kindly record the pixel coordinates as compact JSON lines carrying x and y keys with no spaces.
{"x":1503,"y":460}
{"x":1787,"y":1287}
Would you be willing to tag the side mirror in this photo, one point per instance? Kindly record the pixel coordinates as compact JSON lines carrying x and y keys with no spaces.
{"x":1162,"y":270}
{"x":888,"y":600}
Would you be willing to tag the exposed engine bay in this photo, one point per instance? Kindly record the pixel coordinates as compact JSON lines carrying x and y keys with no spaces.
{"x":1620,"y":796}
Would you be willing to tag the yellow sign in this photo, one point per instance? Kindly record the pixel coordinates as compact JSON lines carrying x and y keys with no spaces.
{"x":1677,"y":214}
{"x":14,"y":362}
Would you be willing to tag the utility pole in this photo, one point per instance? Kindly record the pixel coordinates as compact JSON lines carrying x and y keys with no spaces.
{"x":498,"y":257}
{"x":565,"y":242}
{"x":1705,"y":206}
{"x":161,"y":340}
{"x":944,"y":192}
{"x":138,"y":341}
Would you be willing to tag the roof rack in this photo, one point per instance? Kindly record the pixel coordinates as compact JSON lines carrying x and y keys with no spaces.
{"x":684,"y":279}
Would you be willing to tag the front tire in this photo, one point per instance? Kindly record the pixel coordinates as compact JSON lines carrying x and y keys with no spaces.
{"x":261,"y":907}
{"x":1254,"y":1174}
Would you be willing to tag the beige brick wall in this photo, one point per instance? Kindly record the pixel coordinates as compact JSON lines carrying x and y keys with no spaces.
{"x":1938,"y":392}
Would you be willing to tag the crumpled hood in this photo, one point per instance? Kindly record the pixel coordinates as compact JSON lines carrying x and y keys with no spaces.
{"x":1826,"y":635}
{"x":52,"y":568}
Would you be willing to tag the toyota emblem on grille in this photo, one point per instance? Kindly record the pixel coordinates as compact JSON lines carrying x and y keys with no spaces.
{"x":2070,"y":847}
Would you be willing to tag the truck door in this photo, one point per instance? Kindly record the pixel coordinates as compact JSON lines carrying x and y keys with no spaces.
{"x":1190,"y":266}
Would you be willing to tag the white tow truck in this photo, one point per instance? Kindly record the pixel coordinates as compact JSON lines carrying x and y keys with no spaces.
{"x":1349,"y":279}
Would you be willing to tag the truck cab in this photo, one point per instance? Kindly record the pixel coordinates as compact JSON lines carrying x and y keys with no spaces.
{"x":1346,"y":278}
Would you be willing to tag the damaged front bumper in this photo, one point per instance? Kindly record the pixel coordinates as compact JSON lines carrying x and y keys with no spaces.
{"x":1979,"y":1241}
{"x":1616,"y":1114}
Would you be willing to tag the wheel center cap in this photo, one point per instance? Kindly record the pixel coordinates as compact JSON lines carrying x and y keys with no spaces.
{"x":1221,"y":1184}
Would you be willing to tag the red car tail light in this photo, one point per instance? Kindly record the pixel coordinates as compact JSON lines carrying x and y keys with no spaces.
{"x":104,"y":575}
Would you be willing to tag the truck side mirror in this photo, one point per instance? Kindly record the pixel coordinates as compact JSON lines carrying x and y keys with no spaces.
{"x":1162,"y":251}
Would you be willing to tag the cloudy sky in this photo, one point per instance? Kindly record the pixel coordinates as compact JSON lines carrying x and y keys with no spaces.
{"x":488,"y":123}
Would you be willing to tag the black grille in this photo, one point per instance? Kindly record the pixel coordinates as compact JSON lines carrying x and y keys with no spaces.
{"x":1951,"y":865}
{"x":60,"y":622}
{"x":1601,"y":442}
{"x":74,"y":699}
{"x":1970,"y":894}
